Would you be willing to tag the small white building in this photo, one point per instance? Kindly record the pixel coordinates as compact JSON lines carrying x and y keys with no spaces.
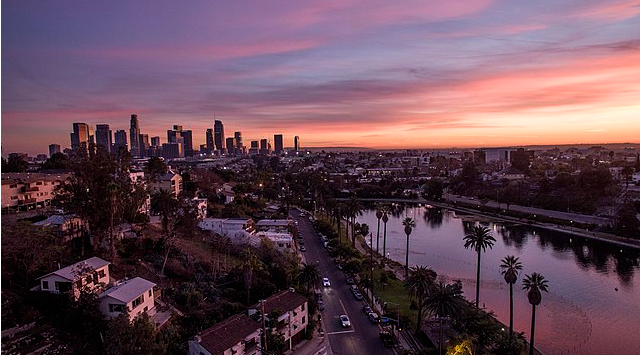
{"x":238,"y":230}
{"x":133,"y":296}
{"x":282,"y":241}
{"x":91,"y":274}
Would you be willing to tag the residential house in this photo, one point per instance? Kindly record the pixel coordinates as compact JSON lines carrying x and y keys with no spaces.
{"x":236,"y":335}
{"x":294,"y":318}
{"x":91,"y":274}
{"x":67,"y":227}
{"x":170,"y":181}
{"x":26,"y":191}
{"x":238,"y":230}
{"x":282,"y":241}
{"x":275,"y":225}
{"x":133,"y":296}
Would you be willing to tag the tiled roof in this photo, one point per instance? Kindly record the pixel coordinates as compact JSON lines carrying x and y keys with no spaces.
{"x":228,"y":333}
{"x":284,"y":301}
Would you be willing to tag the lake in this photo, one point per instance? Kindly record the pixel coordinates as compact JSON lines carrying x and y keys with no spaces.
{"x":593,"y":304}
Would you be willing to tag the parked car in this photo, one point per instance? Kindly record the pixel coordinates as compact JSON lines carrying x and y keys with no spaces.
{"x":326,"y":282}
{"x":374,"y":318}
{"x":366,"y":309}
{"x":320,"y":305}
{"x":344,"y":320}
{"x":302,"y":248}
{"x":358,"y":295}
{"x":318,"y":295}
{"x":350,"y":281}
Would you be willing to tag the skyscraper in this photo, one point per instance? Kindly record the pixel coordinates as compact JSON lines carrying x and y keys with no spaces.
{"x":254,"y":148}
{"x":277,"y":144}
{"x":238,"y":138}
{"x":134,"y":136}
{"x":80,"y":135}
{"x":265,"y":147}
{"x":209,"y":138}
{"x":218,"y":136}
{"x":104,"y":137}
{"x":187,"y":137}
{"x":144,"y":144}
{"x":231,"y":143}
{"x":155,"y":141}
{"x":296,"y":144}
{"x":53,"y":149}
{"x":120,"y":141}
{"x":182,"y":137}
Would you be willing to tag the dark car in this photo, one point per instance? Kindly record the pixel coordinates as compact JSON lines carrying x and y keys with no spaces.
{"x":350,"y":281}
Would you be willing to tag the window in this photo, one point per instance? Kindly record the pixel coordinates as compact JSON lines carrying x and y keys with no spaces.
{"x":13,"y":186}
{"x":101,"y":273}
{"x":116,"y":308}
{"x":137,"y":301}
{"x":150,"y":293}
{"x":303,"y":319}
{"x":303,"y":307}
{"x":14,"y":197}
{"x":45,"y":285}
{"x":39,"y":183}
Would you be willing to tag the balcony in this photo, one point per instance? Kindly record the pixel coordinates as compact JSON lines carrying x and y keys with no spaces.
{"x":30,"y":189}
{"x":27,"y":201}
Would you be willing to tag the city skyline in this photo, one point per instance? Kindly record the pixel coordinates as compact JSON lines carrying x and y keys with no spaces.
{"x":364,"y":74}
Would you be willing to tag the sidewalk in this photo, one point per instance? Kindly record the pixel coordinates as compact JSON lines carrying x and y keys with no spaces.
{"x":319,"y":345}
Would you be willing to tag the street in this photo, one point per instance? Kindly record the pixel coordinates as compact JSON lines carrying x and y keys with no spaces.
{"x":362,"y":336}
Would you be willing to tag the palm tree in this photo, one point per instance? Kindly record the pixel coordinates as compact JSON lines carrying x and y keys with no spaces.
{"x":250,"y":264}
{"x":534,"y":283}
{"x":445,"y":300}
{"x":510,"y":268}
{"x":378,"y":216}
{"x":354,"y":209}
{"x":385,"y":219}
{"x":309,"y":274}
{"x":419,"y":285}
{"x":479,"y":240}
{"x":408,"y":224}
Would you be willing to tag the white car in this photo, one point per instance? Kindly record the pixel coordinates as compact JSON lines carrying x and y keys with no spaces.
{"x":345,"y":320}
{"x":326,"y":282}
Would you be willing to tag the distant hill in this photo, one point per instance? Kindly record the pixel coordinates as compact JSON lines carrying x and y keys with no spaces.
{"x":611,"y":146}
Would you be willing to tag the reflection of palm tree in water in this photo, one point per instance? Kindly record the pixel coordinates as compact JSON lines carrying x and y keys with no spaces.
{"x":433,"y":216}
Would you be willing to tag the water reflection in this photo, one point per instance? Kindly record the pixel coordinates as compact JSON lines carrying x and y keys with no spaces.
{"x":433,"y":216}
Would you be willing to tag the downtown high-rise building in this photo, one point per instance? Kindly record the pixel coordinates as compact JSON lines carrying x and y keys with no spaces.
{"x":265,"y":147}
{"x":134,"y":136}
{"x":209,"y":146}
{"x":53,"y":149}
{"x":296,"y":144}
{"x":80,"y":135}
{"x":254,"y":148}
{"x":278,"y":147}
{"x":182,"y":137}
{"x":104,"y":137}
{"x":238,"y":140}
{"x":231,"y":145}
{"x":218,"y":136}
{"x":120,"y":141}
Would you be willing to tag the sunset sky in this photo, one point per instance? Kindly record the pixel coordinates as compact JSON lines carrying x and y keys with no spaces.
{"x":375,"y":73}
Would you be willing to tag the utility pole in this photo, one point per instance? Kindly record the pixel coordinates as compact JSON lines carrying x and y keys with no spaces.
{"x":264,"y":332}
{"x":371,"y":270}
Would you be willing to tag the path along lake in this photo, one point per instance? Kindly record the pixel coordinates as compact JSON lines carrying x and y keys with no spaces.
{"x":593,"y":304}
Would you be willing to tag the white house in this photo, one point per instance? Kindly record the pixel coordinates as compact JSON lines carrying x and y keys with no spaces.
{"x":282,"y":241}
{"x":294,"y":319}
{"x":236,"y":335}
{"x":91,"y":274}
{"x":170,"y":181}
{"x":276,"y":225}
{"x":238,"y":230}
{"x":133,"y":296}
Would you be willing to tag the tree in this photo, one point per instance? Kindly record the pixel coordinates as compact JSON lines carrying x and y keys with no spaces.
{"x":479,"y":240}
{"x":385,"y":219}
{"x":378,"y":216}
{"x":137,"y":337}
{"x":58,"y":161}
{"x":163,"y":202}
{"x":354,"y":209}
{"x":408,"y":224}
{"x":534,"y":284}
{"x":154,"y":168}
{"x":510,"y":268}
{"x":250,"y":264}
{"x":445,"y":300}
{"x":433,"y":189}
{"x":419,"y":284}
{"x":309,"y":274}
{"x":15,"y":164}
{"x":627,"y":223}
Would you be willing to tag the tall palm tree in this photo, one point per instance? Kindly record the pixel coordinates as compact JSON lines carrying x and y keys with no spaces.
{"x":385,"y":219}
{"x":378,"y":216}
{"x":408,"y":224}
{"x":445,"y":300}
{"x":354,"y":208}
{"x":309,"y":274}
{"x":534,"y":283}
{"x":510,"y":268}
{"x":479,"y":240}
{"x":250,"y":264}
{"x":419,"y":284}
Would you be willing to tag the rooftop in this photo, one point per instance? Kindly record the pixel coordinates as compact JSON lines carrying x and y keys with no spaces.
{"x":70,"y":272}
{"x":128,"y":290}
{"x":228,"y":333}
{"x":284,"y":301}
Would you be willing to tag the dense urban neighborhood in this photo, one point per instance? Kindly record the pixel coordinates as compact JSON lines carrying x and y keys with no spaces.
{"x":261,"y":252}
